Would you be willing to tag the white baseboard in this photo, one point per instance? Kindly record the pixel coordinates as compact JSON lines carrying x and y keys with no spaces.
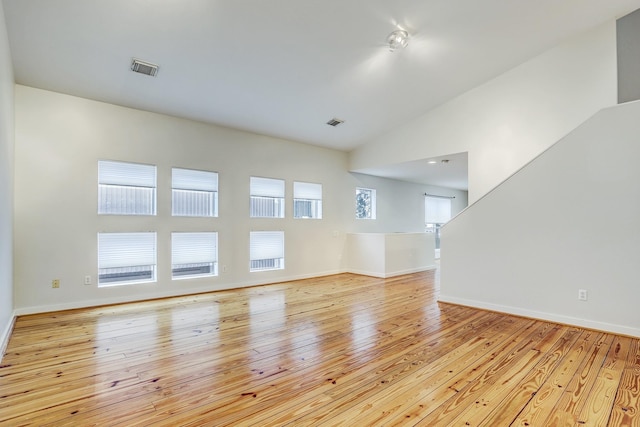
{"x":173,"y":293}
{"x":392,"y":273}
{"x":550,"y":317}
{"x":6,"y":335}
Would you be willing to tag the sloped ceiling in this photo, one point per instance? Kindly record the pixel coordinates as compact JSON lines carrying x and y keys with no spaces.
{"x":285,"y":67}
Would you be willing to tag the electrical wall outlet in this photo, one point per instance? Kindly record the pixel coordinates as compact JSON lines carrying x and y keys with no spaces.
{"x":55,"y":283}
{"x":582,"y":294}
{"x":87,"y":280}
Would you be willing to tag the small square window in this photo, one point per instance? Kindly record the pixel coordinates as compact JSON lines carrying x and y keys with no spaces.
{"x":365,"y":203}
{"x":194,"y":193}
{"x":307,"y":200}
{"x":267,"y":197}
{"x":194,"y":255}
{"x":126,"y":258}
{"x":266,"y":250}
{"x":126,"y":188}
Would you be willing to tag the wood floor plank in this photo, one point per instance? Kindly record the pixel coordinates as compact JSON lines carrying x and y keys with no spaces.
{"x":546,"y":397}
{"x":626,"y":410}
{"x":322,"y":373}
{"x":344,"y":350}
{"x":479,"y":391}
{"x":387,"y":395}
{"x":566,"y":411}
{"x":510,"y":396}
{"x":598,"y":407}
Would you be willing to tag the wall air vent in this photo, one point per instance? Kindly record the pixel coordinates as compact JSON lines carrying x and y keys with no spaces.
{"x":146,"y":68}
{"x":334,"y":122}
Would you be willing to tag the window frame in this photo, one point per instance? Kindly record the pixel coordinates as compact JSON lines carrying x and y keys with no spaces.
{"x":262,"y":190}
{"x":110,"y":177}
{"x":126,"y":245}
{"x":253,"y":256}
{"x":372,"y":202}
{"x":180,"y":187}
{"x":306,"y":189}
{"x":195,"y":235}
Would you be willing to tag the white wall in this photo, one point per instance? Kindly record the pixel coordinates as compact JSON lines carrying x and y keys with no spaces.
{"x":390,"y":254}
{"x":509,"y":120}
{"x":6,"y":185}
{"x":567,"y":221}
{"x":60,"y":138}
{"x":400,"y":205}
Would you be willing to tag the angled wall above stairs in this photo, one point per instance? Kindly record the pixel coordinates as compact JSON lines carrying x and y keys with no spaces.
{"x":568,"y":220}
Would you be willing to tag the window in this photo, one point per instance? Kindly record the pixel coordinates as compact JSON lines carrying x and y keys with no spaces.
{"x":194,"y":193}
{"x":125,"y":258}
{"x":194,"y":254}
{"x":267,"y":198}
{"x":437,"y":211}
{"x":307,"y":200}
{"x":266,"y":250}
{"x":126,"y":188}
{"x":365,"y":203}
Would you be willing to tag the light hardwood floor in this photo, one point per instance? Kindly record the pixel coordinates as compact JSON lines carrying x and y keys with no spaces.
{"x":339,"y":350}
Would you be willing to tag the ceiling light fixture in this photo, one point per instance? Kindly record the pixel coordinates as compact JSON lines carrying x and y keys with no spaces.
{"x":399,"y":39}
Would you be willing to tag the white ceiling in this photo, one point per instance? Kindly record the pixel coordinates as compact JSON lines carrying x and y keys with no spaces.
{"x":445,"y":171}
{"x":285,"y":67}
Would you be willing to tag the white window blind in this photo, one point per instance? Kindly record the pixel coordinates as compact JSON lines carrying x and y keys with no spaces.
{"x":126,"y":258}
{"x":307,"y":200}
{"x":194,"y":254}
{"x":194,"y":193}
{"x":437,"y":210}
{"x":266,"y":250}
{"x":267,"y":197}
{"x":307,"y":190}
{"x":126,"y":188}
{"x":267,"y":187}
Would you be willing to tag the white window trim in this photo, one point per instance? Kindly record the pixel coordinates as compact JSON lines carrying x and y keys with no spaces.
{"x":194,"y":181}
{"x":267,"y":189}
{"x":126,"y":175}
{"x":123,"y":250}
{"x":192,"y":248}
{"x":373,"y":202}
{"x":272,"y":248}
{"x":307,"y":192}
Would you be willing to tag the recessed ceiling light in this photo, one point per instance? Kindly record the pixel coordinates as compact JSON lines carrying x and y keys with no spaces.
{"x":445,"y":161}
{"x":432,"y":162}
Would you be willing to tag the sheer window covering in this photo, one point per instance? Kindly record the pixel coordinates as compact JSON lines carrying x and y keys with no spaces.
{"x":124,"y":255}
{"x":194,"y":193}
{"x":267,"y":197}
{"x":266,"y":246}
{"x":437,"y":210}
{"x":197,"y":252}
{"x":307,"y":200}
{"x":126,"y":188}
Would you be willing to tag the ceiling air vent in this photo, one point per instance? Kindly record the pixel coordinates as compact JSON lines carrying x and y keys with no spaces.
{"x":334,"y":122}
{"x":145,"y":68}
